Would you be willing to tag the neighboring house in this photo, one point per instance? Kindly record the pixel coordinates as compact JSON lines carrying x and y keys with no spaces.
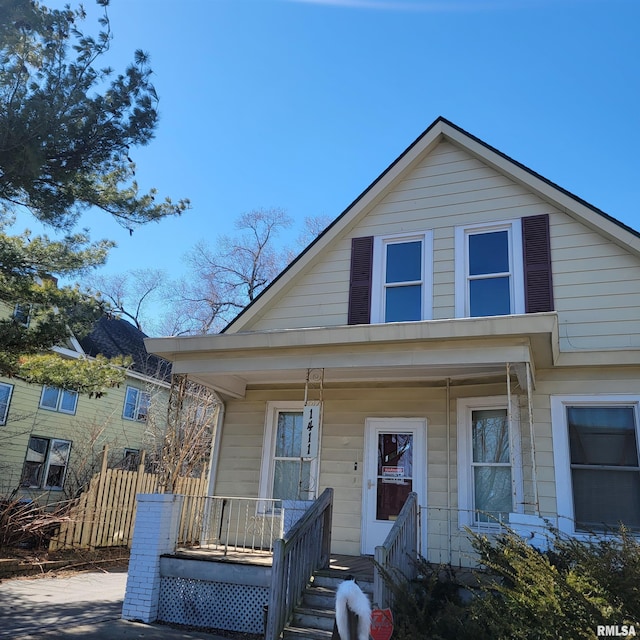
{"x":51,"y":439}
{"x":468,"y":331}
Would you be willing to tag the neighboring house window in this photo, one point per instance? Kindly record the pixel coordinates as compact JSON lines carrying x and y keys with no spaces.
{"x":131,"y":459}
{"x":5,"y":399}
{"x":22,"y":314}
{"x":489,"y":270}
{"x":46,"y":463}
{"x":597,"y":461}
{"x":61,"y":400}
{"x":136,"y":404}
{"x":489,"y":464}
{"x":401,"y":285}
{"x":286,"y":474}
{"x":391,"y":278}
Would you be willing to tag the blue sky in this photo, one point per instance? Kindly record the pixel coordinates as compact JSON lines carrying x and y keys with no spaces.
{"x":301,"y":104}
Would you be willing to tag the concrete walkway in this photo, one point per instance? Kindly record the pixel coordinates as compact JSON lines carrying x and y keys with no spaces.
{"x":84,"y":606}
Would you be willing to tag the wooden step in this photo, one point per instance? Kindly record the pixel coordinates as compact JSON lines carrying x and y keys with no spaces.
{"x":310,"y":618}
{"x":314,"y":618}
{"x":296,"y":633}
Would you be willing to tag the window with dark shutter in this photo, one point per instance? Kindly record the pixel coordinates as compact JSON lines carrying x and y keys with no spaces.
{"x":536,"y":250}
{"x":360,"y":281}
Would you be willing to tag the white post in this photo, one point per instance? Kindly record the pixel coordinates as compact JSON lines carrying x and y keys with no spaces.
{"x":534,"y":471}
{"x":155,"y":533}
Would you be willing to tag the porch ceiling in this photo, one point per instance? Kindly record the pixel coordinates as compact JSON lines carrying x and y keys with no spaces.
{"x":364,"y":353}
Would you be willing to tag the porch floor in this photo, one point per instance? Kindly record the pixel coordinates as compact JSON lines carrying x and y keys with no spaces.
{"x":358,"y":566}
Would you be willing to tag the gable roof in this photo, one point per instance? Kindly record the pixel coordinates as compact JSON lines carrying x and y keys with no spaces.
{"x":442,"y":129}
{"x":113,"y":337}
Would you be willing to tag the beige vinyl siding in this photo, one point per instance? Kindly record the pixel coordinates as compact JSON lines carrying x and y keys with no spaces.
{"x":341,"y":459}
{"x":595,"y":281}
{"x":240,"y":453}
{"x":596,"y":289}
{"x":443,"y":273}
{"x":345,"y":411}
{"x":318,"y":298}
{"x":448,"y":187}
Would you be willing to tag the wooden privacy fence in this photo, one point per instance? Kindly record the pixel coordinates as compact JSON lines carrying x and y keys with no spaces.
{"x":104,"y":514}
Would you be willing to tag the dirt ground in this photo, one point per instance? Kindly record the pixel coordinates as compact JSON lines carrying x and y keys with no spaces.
{"x":108,"y":559}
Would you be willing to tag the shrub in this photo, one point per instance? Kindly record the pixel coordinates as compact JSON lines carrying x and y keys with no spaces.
{"x":522,"y":593}
{"x":432,"y":605}
{"x":23,"y":523}
{"x":531,"y":597}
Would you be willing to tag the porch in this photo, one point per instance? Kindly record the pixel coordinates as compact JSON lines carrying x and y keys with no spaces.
{"x":208,"y":589}
{"x":369,"y":388}
{"x":359,"y":567}
{"x":249,"y":590}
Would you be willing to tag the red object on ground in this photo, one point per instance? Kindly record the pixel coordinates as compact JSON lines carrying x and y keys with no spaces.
{"x":381,"y":624}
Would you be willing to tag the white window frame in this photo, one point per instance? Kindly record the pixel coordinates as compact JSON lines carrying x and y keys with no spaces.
{"x":378,"y":273}
{"x":516,"y":264}
{"x":139,"y":395}
{"x":562,"y":452}
{"x":267,"y":467}
{"x":4,"y":404}
{"x":47,"y":464}
{"x":466,"y":494}
{"x":61,"y":395}
{"x":24,"y":310}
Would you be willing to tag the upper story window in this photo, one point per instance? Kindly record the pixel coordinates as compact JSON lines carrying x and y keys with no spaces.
{"x":401,"y":278}
{"x":22,"y":314}
{"x":489,"y":270}
{"x":501,"y":268}
{"x":62,"y":400}
{"x":136,"y":404}
{"x":5,"y":398}
{"x":597,"y":462}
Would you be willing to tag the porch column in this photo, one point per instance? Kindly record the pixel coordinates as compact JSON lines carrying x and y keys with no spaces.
{"x":155,"y":533}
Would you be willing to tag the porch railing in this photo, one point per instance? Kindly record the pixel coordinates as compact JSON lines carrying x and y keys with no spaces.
{"x":398,"y":553}
{"x":232,"y":524}
{"x":305,"y":549}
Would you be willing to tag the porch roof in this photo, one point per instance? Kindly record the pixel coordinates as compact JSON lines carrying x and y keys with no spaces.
{"x":403,"y":351}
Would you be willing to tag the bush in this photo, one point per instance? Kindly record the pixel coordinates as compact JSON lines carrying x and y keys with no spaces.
{"x":432,"y":605}
{"x":523,"y":593}
{"x":23,"y":523}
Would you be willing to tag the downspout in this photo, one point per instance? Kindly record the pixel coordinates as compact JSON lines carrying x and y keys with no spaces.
{"x":448,"y":421}
{"x":534,"y":471}
{"x":215,"y":446}
{"x":514,"y":492}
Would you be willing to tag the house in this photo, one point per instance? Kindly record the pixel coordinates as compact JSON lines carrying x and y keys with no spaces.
{"x":466,"y":330}
{"x":52,"y":439}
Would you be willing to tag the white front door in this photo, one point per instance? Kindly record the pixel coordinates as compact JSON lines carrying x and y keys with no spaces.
{"x":394,"y":466}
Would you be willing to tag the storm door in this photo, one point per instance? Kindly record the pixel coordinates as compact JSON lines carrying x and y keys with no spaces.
{"x":395,"y":465}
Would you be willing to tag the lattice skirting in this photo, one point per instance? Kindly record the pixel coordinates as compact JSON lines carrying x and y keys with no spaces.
{"x":212,"y":605}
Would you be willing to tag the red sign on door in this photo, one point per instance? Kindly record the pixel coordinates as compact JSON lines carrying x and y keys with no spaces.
{"x":381,"y":624}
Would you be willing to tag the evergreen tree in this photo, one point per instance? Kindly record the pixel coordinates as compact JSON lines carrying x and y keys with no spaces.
{"x":67,"y":126}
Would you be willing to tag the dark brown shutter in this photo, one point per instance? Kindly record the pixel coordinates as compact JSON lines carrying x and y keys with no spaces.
{"x":360,"y":281}
{"x":538,"y":285}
